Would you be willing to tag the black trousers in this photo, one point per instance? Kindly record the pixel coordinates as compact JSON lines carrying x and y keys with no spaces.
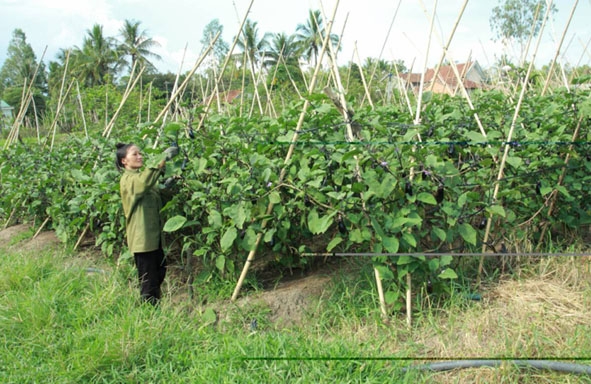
{"x":151,"y":268}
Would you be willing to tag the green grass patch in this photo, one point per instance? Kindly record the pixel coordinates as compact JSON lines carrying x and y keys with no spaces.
{"x":58,"y":323}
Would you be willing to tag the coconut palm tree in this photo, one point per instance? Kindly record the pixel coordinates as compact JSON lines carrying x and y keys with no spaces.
{"x":283,"y":48}
{"x":137,"y":45}
{"x":311,"y":36}
{"x":251,"y":44}
{"x":97,"y":61}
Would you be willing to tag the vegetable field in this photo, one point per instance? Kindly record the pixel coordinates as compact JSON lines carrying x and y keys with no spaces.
{"x":397,"y":187}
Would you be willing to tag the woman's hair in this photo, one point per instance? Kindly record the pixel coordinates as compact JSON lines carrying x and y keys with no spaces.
{"x":121,"y":153}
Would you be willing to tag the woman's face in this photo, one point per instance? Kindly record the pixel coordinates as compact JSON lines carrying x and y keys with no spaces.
{"x":133,"y":159}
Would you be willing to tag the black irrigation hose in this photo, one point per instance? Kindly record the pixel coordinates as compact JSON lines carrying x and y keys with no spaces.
{"x":578,"y":369}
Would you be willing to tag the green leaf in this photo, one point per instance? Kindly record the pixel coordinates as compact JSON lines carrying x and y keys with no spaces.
{"x":445,"y":260}
{"x":333,"y":243}
{"x":391,"y":297}
{"x":468,"y":233}
{"x":269,"y":235}
{"x":475,"y":137}
{"x":462,"y":199}
{"x":545,"y":190}
{"x":172,"y":129}
{"x":514,"y":161}
{"x":215,"y":219}
{"x":220,"y":262}
{"x":274,"y":197}
{"x":209,"y":316}
{"x":496,"y":210}
{"x":391,"y":244}
{"x":377,"y":227}
{"x":174,"y":223}
{"x":410,"y":239}
{"x":250,"y":239}
{"x":228,"y":238}
{"x":201,"y":166}
{"x":385,"y":272}
{"x":448,"y":273}
{"x":403,"y":260}
{"x":426,"y":198}
{"x":433,"y":264}
{"x":318,"y":225}
{"x":351,"y":154}
{"x":439,"y":233}
{"x":356,"y":236}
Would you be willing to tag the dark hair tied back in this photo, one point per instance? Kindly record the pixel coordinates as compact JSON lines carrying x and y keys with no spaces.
{"x":121,"y":153}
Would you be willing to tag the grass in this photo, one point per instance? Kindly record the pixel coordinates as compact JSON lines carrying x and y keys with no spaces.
{"x":58,"y":323}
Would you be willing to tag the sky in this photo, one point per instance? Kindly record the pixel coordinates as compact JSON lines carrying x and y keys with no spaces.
{"x":388,"y":29}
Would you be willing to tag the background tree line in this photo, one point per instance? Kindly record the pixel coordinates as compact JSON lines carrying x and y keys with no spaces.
{"x":97,"y":71}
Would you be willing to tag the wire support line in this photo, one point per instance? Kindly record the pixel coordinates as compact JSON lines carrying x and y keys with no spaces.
{"x":455,"y":254}
{"x":461,"y":143}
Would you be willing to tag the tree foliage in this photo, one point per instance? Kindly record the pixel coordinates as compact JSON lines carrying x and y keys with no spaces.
{"x":19,"y":68}
{"x":220,"y":48}
{"x":137,"y":45}
{"x":518,"y":19}
{"x":311,"y":36}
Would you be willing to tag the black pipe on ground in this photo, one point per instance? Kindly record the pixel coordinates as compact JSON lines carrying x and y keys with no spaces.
{"x":578,"y":369}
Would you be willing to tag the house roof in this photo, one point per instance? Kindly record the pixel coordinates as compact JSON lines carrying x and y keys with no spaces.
{"x":225,"y":97}
{"x":445,"y":75}
{"x":4,"y":105}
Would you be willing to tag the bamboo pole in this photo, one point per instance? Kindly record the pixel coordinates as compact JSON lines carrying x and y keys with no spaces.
{"x":458,"y":76}
{"x":467,"y":97}
{"x":37,"y":128}
{"x":14,"y":132}
{"x":417,"y":121}
{"x":290,"y":151}
{"x":150,"y":100}
{"x":560,"y":182}
{"x":228,"y":57}
{"x":141,"y":103}
{"x":381,"y":296}
{"x":186,"y":81}
{"x":60,"y":105}
{"x":341,"y":101}
{"x":510,"y":137}
{"x":130,"y":86}
{"x":243,"y":83}
{"x":41,"y":228}
{"x":176,"y":83}
{"x":421,"y":86}
{"x":10,"y":217}
{"x":408,"y":300}
{"x":294,"y":85}
{"x":82,"y":236}
{"x":375,"y":68}
{"x":81,"y":109}
{"x":365,"y":86}
{"x":572,"y":12}
{"x":405,"y":87}
{"x":60,"y":100}
{"x":524,"y":52}
{"x":446,"y":46}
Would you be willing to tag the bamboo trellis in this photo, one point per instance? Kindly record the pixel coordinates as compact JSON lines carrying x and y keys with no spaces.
{"x":290,"y":151}
{"x":25,"y":101}
{"x":510,"y":136}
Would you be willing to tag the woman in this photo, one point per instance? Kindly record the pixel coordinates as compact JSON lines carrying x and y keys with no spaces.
{"x":141,"y":201}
